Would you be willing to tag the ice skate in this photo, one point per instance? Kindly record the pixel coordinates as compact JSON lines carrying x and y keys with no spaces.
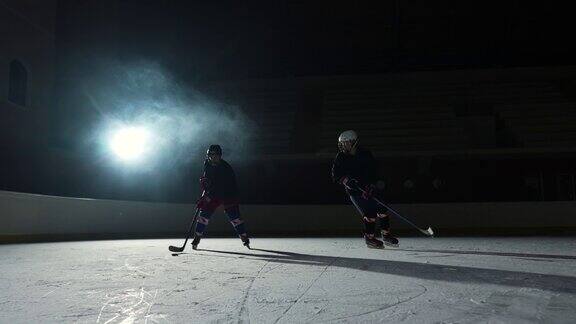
{"x":389,"y":240}
{"x":245,"y":241}
{"x":373,"y":242}
{"x":195,"y":242}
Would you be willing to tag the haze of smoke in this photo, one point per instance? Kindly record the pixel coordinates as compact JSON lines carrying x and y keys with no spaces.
{"x":184,"y":121}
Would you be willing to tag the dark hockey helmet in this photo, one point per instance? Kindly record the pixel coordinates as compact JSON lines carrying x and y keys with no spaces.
{"x":214,"y":149}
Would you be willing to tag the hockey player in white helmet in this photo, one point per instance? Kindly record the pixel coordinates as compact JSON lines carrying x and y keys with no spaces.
{"x":355,"y":168}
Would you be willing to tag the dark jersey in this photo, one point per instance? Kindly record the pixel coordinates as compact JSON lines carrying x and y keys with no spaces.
{"x":221,"y":180}
{"x":361,"y":166}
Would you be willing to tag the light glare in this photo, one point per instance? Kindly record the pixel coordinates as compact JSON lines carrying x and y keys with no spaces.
{"x":130,"y":143}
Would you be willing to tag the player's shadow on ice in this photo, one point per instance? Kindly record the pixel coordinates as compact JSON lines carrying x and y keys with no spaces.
{"x":436,"y":272}
{"x":278,"y":256}
{"x":506,"y":254}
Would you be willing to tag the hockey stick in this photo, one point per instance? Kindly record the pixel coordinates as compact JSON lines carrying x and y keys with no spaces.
{"x":427,"y":232}
{"x":180,"y":249}
{"x":173,"y":248}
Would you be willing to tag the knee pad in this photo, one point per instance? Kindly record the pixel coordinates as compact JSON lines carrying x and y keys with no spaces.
{"x":233,"y":213}
{"x":368,"y":219}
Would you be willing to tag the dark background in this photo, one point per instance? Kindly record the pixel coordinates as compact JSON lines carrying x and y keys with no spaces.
{"x":252,"y":54}
{"x":235,"y":40}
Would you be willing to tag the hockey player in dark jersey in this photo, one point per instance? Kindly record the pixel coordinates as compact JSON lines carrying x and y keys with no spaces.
{"x":219,"y":185}
{"x":356,"y":169}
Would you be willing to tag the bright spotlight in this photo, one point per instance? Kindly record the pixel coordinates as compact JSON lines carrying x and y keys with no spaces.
{"x":131,"y":143}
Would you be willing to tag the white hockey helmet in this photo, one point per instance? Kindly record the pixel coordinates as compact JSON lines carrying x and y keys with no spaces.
{"x":347,"y":140}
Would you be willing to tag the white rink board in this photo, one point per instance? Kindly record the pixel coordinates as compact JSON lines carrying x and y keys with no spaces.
{"x":27,"y":214}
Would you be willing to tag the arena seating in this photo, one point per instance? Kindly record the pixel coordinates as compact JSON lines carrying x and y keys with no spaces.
{"x":541,"y":124}
{"x":426,"y":117}
{"x":392,"y":120}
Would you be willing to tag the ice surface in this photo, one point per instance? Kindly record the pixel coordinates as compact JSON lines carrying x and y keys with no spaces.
{"x":512,"y":280}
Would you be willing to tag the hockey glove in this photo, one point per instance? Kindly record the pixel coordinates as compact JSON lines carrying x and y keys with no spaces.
{"x":204,"y":183}
{"x":368,"y":192}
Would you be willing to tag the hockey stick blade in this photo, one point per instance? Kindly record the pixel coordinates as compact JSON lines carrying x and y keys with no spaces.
{"x":173,"y":248}
{"x":428,"y":232}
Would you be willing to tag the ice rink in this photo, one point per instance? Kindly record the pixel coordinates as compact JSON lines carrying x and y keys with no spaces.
{"x":449,"y":280}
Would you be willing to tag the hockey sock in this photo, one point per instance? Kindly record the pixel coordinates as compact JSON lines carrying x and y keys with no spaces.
{"x":384,"y":222}
{"x":202,"y":222}
{"x":234,"y":217}
{"x":369,"y":225}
